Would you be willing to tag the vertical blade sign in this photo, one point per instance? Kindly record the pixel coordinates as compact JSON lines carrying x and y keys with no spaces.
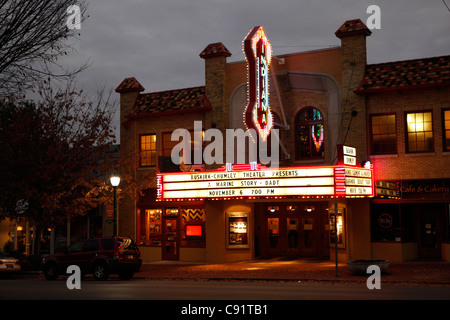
{"x":258,"y":53}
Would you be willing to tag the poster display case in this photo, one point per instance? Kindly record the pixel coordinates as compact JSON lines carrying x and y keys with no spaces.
{"x":238,"y":230}
{"x":340,"y":225}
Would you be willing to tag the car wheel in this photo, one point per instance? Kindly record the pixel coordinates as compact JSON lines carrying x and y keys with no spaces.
{"x":51,"y":271}
{"x":126,"y":275}
{"x":101,"y":271}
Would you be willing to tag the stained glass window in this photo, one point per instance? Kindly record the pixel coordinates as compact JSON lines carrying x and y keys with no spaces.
{"x":309,"y":134}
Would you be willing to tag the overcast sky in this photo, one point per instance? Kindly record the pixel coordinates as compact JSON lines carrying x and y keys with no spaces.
{"x":158,"y":41}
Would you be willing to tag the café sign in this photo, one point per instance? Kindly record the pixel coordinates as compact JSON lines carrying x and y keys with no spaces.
{"x":425,"y":189}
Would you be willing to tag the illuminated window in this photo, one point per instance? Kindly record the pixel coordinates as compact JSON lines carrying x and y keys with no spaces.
{"x":149,"y":233}
{"x":419,"y":130}
{"x":309,"y":134}
{"x":446,"y":129}
{"x":148,"y":150}
{"x":384,"y":134}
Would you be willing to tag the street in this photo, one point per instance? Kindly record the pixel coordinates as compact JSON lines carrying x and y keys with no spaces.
{"x":38,"y":289}
{"x":211,"y":299}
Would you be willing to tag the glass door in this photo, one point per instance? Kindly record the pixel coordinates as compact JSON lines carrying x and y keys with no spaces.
{"x":292,"y":235}
{"x":274,"y":240}
{"x":309,"y":237}
{"x":170,"y":235}
{"x":295,"y":229}
{"x":429,"y":236}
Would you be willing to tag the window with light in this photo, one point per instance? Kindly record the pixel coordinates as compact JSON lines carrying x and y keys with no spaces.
{"x":419,"y":127}
{"x":446,"y":129}
{"x":148,"y":150}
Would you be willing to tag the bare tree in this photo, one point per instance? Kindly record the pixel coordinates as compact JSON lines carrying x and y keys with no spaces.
{"x":33,"y":35}
{"x":54,"y":156}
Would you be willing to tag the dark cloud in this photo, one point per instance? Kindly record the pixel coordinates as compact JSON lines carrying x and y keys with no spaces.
{"x":158,"y":41}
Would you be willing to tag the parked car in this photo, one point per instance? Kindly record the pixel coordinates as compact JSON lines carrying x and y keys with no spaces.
{"x":9,"y":265}
{"x":100,"y":257}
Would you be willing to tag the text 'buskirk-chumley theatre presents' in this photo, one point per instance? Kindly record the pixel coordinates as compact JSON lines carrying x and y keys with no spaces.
{"x":292,"y":156}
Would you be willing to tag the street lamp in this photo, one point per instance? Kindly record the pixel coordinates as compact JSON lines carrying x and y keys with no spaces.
{"x":115,"y":182}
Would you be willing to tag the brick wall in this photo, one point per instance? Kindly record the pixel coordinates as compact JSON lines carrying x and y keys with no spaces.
{"x":405,"y":165}
{"x":353,"y":131}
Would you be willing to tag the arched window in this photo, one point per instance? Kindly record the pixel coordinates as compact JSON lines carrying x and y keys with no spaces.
{"x":309,"y":134}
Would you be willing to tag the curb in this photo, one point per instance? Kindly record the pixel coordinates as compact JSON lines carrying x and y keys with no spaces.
{"x":390,"y":282}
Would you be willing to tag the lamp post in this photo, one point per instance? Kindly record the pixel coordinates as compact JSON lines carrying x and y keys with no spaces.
{"x":115,"y":182}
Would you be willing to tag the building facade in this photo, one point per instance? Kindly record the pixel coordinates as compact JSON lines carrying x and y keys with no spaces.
{"x":395,"y":116}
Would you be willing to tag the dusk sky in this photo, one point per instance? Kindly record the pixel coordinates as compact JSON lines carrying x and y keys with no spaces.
{"x":158,"y":41}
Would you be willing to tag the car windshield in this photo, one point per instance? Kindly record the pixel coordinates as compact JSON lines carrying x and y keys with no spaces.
{"x":126,"y":244}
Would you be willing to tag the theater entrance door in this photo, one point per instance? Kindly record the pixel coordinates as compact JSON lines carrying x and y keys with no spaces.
{"x":290,"y":231}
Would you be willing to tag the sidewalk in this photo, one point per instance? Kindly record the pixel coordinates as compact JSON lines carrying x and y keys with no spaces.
{"x":406,"y":273}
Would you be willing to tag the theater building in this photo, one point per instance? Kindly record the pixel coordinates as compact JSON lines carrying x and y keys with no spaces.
{"x":363,"y":157}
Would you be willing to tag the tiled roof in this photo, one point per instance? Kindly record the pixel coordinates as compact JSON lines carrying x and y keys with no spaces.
{"x":406,"y":74}
{"x":129,"y":85}
{"x":215,"y":50}
{"x":180,"y":100}
{"x":352,"y":27}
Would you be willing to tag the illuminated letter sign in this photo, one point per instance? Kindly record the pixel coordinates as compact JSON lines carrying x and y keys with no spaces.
{"x":258,"y":53}
{"x":346,"y":155}
{"x":245,"y":182}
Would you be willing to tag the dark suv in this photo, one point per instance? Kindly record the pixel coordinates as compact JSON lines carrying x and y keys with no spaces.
{"x":101,"y":257}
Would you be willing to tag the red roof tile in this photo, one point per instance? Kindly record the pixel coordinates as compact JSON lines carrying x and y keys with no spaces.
{"x":129,"y":85}
{"x":406,"y":74}
{"x":215,"y":50}
{"x":179,"y":101}
{"x":352,"y":27}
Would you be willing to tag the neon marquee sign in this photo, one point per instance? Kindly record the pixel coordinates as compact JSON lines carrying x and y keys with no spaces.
{"x":243,"y":181}
{"x":258,"y":53}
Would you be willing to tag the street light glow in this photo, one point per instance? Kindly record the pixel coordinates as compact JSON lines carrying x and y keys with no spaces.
{"x":115,"y":181}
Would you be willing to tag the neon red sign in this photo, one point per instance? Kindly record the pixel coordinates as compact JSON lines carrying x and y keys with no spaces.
{"x":253,"y":182}
{"x":258,"y":53}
